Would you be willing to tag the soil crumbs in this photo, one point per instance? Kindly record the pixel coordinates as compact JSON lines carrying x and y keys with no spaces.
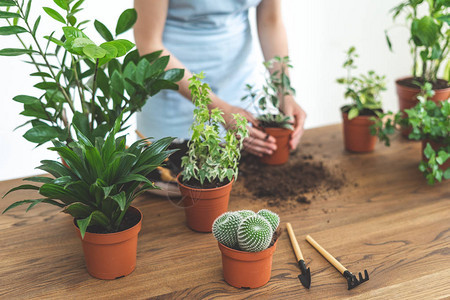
{"x":298,"y":181}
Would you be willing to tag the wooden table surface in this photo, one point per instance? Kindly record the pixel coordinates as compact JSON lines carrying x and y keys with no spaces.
{"x":390,"y":222}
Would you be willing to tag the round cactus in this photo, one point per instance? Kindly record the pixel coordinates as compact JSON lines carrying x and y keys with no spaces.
{"x":271,"y":217}
{"x":225,"y":229}
{"x":254,"y":234}
{"x":246,"y":213}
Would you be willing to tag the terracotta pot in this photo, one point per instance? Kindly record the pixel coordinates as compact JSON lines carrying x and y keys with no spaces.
{"x":357,"y":137}
{"x":436,"y":147}
{"x":111,"y":255}
{"x":247,"y":269}
{"x":281,"y":155}
{"x":407,"y":98}
{"x":203,"y":206}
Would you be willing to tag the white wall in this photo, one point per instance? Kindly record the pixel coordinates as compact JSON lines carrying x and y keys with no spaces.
{"x":319,"y":32}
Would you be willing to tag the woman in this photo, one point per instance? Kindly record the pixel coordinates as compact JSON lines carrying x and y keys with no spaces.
{"x":214,"y":37}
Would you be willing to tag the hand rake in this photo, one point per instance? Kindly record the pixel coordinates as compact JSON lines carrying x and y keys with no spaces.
{"x":305,"y":277}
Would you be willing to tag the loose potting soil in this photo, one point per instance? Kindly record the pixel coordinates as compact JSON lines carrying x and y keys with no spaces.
{"x":298,"y":181}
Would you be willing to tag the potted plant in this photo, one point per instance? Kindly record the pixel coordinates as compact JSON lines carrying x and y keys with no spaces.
{"x":270,"y":116}
{"x":81,"y":82}
{"x":210,"y":166}
{"x":247,"y":242}
{"x":97,"y":188}
{"x":364,"y":91}
{"x":430,"y":48}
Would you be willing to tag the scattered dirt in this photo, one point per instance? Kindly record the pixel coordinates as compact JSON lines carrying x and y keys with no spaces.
{"x":298,"y":182}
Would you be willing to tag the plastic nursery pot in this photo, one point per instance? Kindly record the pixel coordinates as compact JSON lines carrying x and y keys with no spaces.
{"x":357,"y":137}
{"x":203,"y":206}
{"x":281,"y":155}
{"x":436,"y":147}
{"x":407,"y":97}
{"x":111,"y":255}
{"x":247,"y":269}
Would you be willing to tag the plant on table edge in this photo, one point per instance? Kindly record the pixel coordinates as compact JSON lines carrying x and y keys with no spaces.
{"x":210,"y":159}
{"x":100,"y":180}
{"x":429,"y":121}
{"x":244,"y":231}
{"x":430,"y":37}
{"x":278,"y":85}
{"x":77,"y":75}
{"x":363,"y":90}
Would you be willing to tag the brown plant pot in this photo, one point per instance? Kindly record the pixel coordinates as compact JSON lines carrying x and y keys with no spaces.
{"x":247,"y":269}
{"x":357,"y":137}
{"x":436,"y":147}
{"x":281,"y":155}
{"x":407,"y":98}
{"x":111,"y":255}
{"x":203,"y":206}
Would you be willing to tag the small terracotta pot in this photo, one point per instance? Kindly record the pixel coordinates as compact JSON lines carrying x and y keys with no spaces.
{"x":247,"y":269}
{"x":111,"y":255}
{"x":407,"y":98}
{"x":203,"y":206}
{"x":281,"y":155}
{"x":357,"y":137}
{"x":436,"y":147}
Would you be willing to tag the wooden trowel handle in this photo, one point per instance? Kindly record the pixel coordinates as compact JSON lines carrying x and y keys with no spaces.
{"x":327,"y":255}
{"x":294,"y":243}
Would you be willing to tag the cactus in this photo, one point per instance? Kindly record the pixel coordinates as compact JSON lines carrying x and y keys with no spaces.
{"x":246,"y":213}
{"x":254,"y":234}
{"x":271,"y":217}
{"x":225,"y":229}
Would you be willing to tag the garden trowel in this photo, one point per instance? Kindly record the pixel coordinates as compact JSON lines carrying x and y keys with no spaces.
{"x":305,"y":277}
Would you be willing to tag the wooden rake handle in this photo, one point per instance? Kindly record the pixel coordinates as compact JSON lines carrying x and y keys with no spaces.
{"x":294,"y":243}
{"x":327,"y":255}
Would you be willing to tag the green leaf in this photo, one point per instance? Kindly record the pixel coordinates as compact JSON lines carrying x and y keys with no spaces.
{"x":120,"y":199}
{"x":15,"y":52}
{"x":103,"y":31}
{"x":353,"y":113}
{"x":39,"y":179}
{"x":78,"y":210}
{"x":10,"y":30}
{"x":22,"y":187}
{"x":41,"y":74}
{"x":7,"y":14}
{"x":96,"y":217}
{"x":428,"y":151}
{"x":34,"y":110}
{"x":62,"y":3}
{"x":122,"y":46}
{"x":17,"y":203}
{"x":46,"y":85}
{"x":7,"y":3}
{"x":54,"y":191}
{"x":447,"y":173}
{"x":54,"y":14}
{"x":41,"y":134}
{"x":173,"y":75}
{"x":126,"y":21}
{"x":44,"y":200}
{"x":94,"y":51}
{"x":444,"y":18}
{"x":36,"y":25}
{"x":26,"y":99}
{"x":426,"y":30}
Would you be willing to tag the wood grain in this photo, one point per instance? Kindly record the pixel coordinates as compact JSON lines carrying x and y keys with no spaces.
{"x":386,"y":220}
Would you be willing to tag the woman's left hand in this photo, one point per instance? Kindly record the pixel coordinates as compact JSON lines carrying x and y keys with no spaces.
{"x":292,"y":109}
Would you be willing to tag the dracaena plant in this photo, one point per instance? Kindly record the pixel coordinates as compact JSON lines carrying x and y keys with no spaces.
{"x":211,"y":158}
{"x":100,"y":180}
{"x":430,"y":36}
{"x":363,"y":90}
{"x":270,"y":100}
{"x":79,"y":81}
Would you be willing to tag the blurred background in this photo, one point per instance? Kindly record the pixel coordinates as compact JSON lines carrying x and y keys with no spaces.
{"x":319,"y":33}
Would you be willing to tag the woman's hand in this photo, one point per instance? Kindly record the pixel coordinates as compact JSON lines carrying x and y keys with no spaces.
{"x":292,"y":109}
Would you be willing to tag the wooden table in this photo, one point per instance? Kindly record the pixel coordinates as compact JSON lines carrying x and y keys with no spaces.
{"x":391,"y":223}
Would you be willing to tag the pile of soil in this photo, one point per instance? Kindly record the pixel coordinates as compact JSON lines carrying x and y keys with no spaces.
{"x":297,"y":182}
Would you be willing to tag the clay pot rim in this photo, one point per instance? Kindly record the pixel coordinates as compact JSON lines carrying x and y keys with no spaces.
{"x":416,"y":89}
{"x":199,"y":190}
{"x":277,"y":131}
{"x":246,"y":253}
{"x":365,"y":119}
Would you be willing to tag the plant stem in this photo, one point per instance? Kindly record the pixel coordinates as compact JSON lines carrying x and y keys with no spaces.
{"x":94,"y":90}
{"x":78,"y":83}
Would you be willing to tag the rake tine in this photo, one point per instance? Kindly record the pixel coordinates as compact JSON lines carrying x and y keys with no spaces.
{"x":360,"y":277}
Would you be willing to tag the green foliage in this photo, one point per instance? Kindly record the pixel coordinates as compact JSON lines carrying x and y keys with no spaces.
{"x":431,"y":167}
{"x":208,"y":158}
{"x":363,"y":90}
{"x":246,"y":231}
{"x":278,"y":85}
{"x":101,"y":179}
{"x":429,"y":36}
{"x":93,"y":82}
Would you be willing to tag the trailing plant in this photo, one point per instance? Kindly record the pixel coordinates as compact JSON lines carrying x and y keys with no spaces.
{"x":250,"y":233}
{"x":270,"y":100}
{"x":363,"y":90}
{"x":208,"y":159}
{"x":100,"y":180}
{"x":430,"y":36}
{"x":81,"y":82}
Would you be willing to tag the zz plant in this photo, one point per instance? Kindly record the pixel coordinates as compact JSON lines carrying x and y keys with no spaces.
{"x":80,"y":82}
{"x":244,"y":231}
{"x":100,"y":180}
{"x":209,"y":160}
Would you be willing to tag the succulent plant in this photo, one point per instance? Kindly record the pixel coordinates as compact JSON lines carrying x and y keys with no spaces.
{"x":254,"y":234}
{"x":271,"y":217}
{"x":246,"y":213}
{"x":225,"y":229}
